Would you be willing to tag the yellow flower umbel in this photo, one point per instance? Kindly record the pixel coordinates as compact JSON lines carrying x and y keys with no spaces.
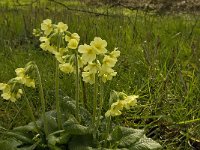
{"x":56,"y":39}
{"x":92,"y":56}
{"x":127,"y":102}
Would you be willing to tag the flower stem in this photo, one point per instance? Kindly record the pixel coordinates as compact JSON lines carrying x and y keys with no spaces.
{"x":100,"y":103}
{"x":59,"y":117}
{"x":77,"y":87}
{"x":57,"y":96}
{"x":30,"y":112}
{"x":108,"y":126}
{"x":42,"y":100}
{"x":95,"y":107}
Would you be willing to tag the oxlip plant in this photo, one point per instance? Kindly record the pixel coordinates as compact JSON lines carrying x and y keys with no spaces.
{"x":73,"y":125}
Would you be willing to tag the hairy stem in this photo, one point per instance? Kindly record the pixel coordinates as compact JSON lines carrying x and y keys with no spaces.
{"x":100,"y":103}
{"x":42,"y":101}
{"x":30,"y":112}
{"x":95,"y":107}
{"x":77,"y":86}
{"x":57,"y":89}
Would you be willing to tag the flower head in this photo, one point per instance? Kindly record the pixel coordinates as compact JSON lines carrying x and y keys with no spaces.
{"x":109,"y":61}
{"x":115,"y":53}
{"x":115,"y":109}
{"x":72,"y":36}
{"x":47,"y":26}
{"x":99,"y":45}
{"x":130,"y":101}
{"x":73,"y":44}
{"x":92,"y":67}
{"x":23,"y":78}
{"x":61,"y":27}
{"x":88,"y":53}
{"x":88,"y":77}
{"x":66,"y":68}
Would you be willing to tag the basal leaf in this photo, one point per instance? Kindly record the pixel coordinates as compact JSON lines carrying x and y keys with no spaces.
{"x":81,"y":142}
{"x":9,"y":144}
{"x":73,"y":127}
{"x":116,"y":134}
{"x":146,"y":144}
{"x":68,"y":105}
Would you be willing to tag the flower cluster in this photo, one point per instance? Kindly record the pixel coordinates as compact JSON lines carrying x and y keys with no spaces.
{"x":56,"y":39}
{"x":127,"y":102}
{"x":95,"y":58}
{"x":10,"y":92}
{"x":98,"y":61}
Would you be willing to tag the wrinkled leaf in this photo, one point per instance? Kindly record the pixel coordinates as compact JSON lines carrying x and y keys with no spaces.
{"x":146,"y":144}
{"x":9,"y":144}
{"x":81,"y":142}
{"x":73,"y":127}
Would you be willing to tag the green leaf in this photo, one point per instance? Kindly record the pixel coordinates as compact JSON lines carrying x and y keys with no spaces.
{"x":132,"y":139}
{"x":51,"y":121}
{"x":9,"y":144}
{"x":81,"y":142}
{"x":116,"y":134}
{"x":73,"y":127}
{"x":68,"y":106}
{"x":29,"y":127}
{"x":130,"y":136}
{"x":19,"y":136}
{"x":146,"y":144}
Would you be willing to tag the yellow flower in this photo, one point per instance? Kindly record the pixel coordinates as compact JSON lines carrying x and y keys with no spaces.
{"x":115,"y":53}
{"x":113,"y":113}
{"x":47,"y":27}
{"x":72,"y":36}
{"x":19,"y":93}
{"x":88,"y":53}
{"x":61,"y":27}
{"x":99,"y":45}
{"x":3,"y":86}
{"x":45,"y":45}
{"x":20,"y":72}
{"x":115,"y":109}
{"x":66,"y":68}
{"x":109,"y":61}
{"x":130,"y":101}
{"x":88,"y":77}
{"x":73,"y":44}
{"x":107,"y":73}
{"x":59,"y":57}
{"x":92,"y":67}
{"x":23,"y":78}
{"x":28,"y":81}
{"x":6,"y":96}
{"x":6,"y":91}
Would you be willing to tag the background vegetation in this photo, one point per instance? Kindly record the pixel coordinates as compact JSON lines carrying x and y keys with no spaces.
{"x":159,"y":61}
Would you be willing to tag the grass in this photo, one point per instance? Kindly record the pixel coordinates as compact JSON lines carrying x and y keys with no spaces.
{"x":159,"y":61}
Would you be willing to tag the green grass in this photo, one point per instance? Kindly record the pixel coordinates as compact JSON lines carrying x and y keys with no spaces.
{"x":159,"y":61}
